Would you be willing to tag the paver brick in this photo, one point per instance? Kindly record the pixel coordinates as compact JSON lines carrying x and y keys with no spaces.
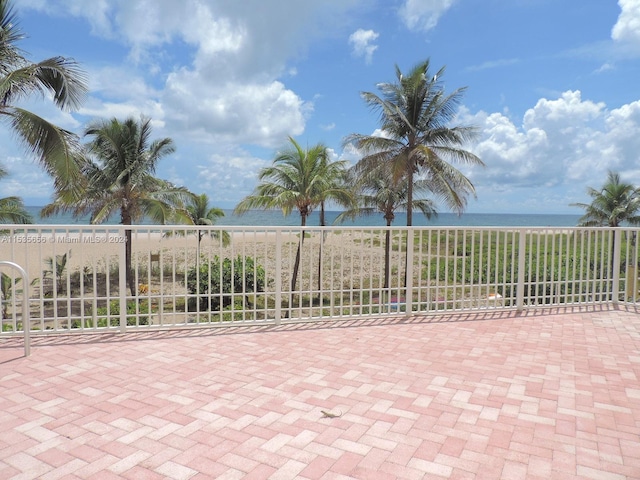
{"x":534,"y":395}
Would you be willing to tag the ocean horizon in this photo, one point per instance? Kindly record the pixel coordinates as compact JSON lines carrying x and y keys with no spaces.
{"x":262,"y":218}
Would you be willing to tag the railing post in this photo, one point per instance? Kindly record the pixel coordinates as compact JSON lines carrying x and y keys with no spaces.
{"x":26,"y":321}
{"x":617,"y":248}
{"x":409,"y":274}
{"x":278,"y":279}
{"x":122,"y":281}
{"x":522,"y":252}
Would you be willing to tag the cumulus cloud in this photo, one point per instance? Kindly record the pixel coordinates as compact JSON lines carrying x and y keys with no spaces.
{"x":232,"y":88}
{"x":256,"y":113}
{"x":229,"y":175}
{"x":564,"y":144}
{"x":423,"y":14}
{"x":361,"y":43}
{"x":627,"y":28}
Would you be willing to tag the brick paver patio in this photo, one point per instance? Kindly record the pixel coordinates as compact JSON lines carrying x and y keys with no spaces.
{"x":494,"y":395}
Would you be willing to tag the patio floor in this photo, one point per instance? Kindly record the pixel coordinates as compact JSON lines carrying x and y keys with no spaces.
{"x":552,"y":394}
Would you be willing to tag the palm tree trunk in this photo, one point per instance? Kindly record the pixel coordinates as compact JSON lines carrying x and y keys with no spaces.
{"x":387,"y":254}
{"x":322,"y":224}
{"x":127,"y":262}
{"x":125,"y":217}
{"x":296,"y":264}
{"x":409,"y":220}
{"x":410,"y":198}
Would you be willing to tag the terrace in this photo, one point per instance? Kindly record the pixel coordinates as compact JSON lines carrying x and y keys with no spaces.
{"x":475,"y":369}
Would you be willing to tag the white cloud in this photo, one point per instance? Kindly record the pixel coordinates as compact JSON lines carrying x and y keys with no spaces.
{"x":228,"y":176}
{"x":250,"y":113}
{"x":493,"y":64}
{"x":361,"y":43}
{"x":232,"y":89}
{"x":562,"y":146}
{"x":604,"y":68}
{"x":423,"y":14}
{"x":627,"y":28}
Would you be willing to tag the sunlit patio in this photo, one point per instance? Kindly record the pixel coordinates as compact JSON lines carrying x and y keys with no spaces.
{"x":542,"y":394}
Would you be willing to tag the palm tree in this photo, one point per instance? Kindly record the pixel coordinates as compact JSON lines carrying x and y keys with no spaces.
{"x":122,"y":179}
{"x":378,"y":192}
{"x":200,"y":213}
{"x":336,"y":188}
{"x":298,"y":178}
{"x":417,"y":138}
{"x":12,"y":208}
{"x":615,"y":203}
{"x":58,"y":77}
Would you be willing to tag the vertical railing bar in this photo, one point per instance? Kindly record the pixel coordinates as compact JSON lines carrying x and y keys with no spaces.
{"x":455,"y":254}
{"x":26,"y":321}
{"x":473,"y":277}
{"x":278,"y":278}
{"x":615,"y":293}
{"x":122,"y":283}
{"x":428,"y":280}
{"x":548,"y":265}
{"x":409,"y":274}
{"x":521,"y":269}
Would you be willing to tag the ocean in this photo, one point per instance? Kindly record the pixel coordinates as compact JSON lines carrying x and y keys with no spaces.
{"x":275,"y":218}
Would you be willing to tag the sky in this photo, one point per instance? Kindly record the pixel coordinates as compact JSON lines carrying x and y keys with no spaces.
{"x":552,"y":86}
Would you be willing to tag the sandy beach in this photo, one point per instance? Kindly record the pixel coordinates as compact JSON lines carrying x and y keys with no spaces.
{"x":101,"y":250}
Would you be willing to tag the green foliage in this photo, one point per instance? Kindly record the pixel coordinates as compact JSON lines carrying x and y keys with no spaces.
{"x":111,"y":315}
{"x":6,"y":284}
{"x":214,"y":282}
{"x":490,"y":258}
{"x":57,"y":267}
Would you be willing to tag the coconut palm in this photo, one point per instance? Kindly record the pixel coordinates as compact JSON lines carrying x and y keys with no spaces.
{"x":121,"y":178}
{"x":58,"y":77}
{"x":12,"y":211}
{"x":337,"y":189}
{"x":12,"y":208}
{"x":200,"y":213}
{"x":298,"y":178}
{"x":615,"y":203}
{"x":417,"y":139}
{"x":378,"y":192}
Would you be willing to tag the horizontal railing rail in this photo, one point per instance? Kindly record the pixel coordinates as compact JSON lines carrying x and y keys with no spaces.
{"x":118,"y":278}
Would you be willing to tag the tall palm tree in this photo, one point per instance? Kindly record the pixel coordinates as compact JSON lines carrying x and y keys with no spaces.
{"x":12,"y":208}
{"x":379,"y":192}
{"x":417,"y":139}
{"x":615,"y":203}
{"x":61,"y":78}
{"x":298,"y":178}
{"x":121,"y":178}
{"x":336,"y":188}
{"x":200,"y":213}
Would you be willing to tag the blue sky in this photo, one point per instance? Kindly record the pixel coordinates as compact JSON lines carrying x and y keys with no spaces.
{"x":552,"y":86}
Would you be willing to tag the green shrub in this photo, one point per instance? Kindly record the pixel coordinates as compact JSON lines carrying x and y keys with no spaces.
{"x":214,"y":282}
{"x":112,"y":315}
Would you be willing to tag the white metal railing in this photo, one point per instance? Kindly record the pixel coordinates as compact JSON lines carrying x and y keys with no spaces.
{"x":8,"y":294}
{"x":243,"y":275}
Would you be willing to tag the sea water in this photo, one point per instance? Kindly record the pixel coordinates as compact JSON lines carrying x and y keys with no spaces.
{"x":255,"y":218}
